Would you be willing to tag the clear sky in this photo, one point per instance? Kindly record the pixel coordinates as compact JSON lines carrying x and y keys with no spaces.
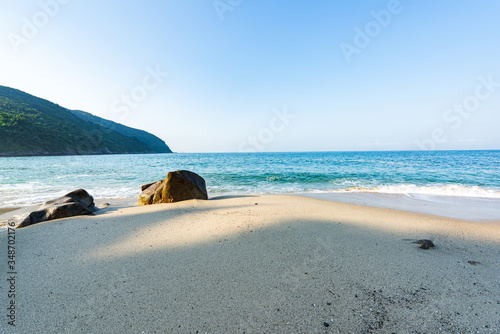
{"x":260,"y":75}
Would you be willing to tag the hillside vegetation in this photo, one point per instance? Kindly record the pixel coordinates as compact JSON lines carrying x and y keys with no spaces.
{"x":33,"y":126}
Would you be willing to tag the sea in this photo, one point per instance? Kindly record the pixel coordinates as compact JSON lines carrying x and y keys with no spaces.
{"x":429,"y":175}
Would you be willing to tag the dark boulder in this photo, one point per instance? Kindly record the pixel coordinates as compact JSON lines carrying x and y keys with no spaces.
{"x":75,"y":203}
{"x":79,"y":196}
{"x":178,"y":186}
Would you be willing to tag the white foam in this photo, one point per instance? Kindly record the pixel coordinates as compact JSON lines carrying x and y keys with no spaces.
{"x":461,"y":207}
{"x":411,"y":189}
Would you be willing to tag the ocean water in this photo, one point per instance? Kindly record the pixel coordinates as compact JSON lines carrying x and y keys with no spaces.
{"x":32,"y":180}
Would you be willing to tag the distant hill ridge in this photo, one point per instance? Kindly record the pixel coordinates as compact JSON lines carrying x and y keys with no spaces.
{"x":33,"y":126}
{"x":155,"y":143}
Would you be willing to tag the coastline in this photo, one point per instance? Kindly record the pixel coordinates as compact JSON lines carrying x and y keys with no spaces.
{"x":257,"y":263}
{"x":31,"y":154}
{"x":484,"y":210}
{"x":477,"y":209}
{"x":120,"y":175}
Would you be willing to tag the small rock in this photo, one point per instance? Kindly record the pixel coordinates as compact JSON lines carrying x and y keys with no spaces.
{"x":151,"y":193}
{"x":474,"y":263}
{"x":424,"y":243}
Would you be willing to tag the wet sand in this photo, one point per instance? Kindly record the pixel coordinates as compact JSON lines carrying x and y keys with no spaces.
{"x":5,"y":210}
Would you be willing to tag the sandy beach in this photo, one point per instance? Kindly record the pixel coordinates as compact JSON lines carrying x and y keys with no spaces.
{"x":6,"y":210}
{"x":256,"y":264}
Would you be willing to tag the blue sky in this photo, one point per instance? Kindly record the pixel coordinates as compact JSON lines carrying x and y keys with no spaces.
{"x":229,"y":75}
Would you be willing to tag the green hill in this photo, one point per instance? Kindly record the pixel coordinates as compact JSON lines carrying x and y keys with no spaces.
{"x":33,"y":126}
{"x":155,"y":143}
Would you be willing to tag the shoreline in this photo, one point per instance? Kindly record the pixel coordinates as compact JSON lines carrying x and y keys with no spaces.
{"x":257,"y":263}
{"x":477,"y":209}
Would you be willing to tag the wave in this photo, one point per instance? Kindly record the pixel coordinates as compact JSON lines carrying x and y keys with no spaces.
{"x":444,"y":190}
{"x":30,"y":196}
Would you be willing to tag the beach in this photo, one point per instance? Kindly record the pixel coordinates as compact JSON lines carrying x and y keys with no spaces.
{"x":6,"y":210}
{"x":229,"y":166}
{"x":256,"y":264}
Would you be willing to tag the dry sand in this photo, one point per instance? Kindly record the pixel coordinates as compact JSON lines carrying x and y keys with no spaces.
{"x":255,"y":264}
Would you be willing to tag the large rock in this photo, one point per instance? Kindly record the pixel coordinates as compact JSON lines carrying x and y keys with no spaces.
{"x":183,"y":185}
{"x":75,"y":203}
{"x":178,"y":186}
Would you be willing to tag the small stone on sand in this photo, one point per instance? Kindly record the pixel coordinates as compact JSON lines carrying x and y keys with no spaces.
{"x":424,"y":243}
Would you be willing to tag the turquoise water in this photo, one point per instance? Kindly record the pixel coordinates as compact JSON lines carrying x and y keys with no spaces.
{"x":32,"y":180}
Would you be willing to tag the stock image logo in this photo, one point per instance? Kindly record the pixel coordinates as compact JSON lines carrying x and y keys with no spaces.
{"x":32,"y":25}
{"x":371,"y":30}
{"x":224,"y":6}
{"x":131,"y":100}
{"x":455,"y":116}
{"x":277,"y":124}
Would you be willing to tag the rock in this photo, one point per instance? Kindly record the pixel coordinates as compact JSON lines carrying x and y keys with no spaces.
{"x":424,"y":243}
{"x":151,"y":193}
{"x":183,"y":185}
{"x":79,"y":196}
{"x":474,"y":263}
{"x":75,"y":203}
{"x":146,"y":186}
{"x":178,"y":186}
